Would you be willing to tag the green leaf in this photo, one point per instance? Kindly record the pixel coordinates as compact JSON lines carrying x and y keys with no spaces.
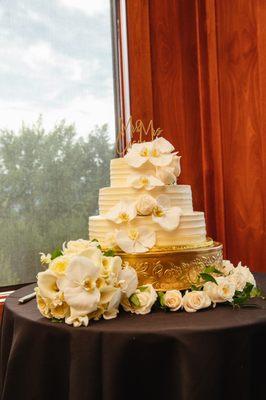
{"x":57,"y":320}
{"x":142,"y":288}
{"x":207,"y":277}
{"x":194,"y":287}
{"x":134,"y":300}
{"x":248,"y":288}
{"x":161,"y":299}
{"x":98,"y":246}
{"x":109,"y":253}
{"x":241,"y":297}
{"x":212,"y":270}
{"x":56,"y":253}
{"x":257,"y":292}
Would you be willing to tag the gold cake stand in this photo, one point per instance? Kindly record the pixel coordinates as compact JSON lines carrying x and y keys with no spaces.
{"x":175,"y":268}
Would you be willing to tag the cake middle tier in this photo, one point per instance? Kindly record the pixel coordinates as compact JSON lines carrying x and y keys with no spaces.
{"x":191,"y":230}
{"x":179,"y":196}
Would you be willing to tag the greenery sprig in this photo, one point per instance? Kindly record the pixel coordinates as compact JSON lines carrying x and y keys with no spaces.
{"x":56,"y":253}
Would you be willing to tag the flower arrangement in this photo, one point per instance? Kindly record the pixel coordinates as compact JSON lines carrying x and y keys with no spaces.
{"x":83,"y":283}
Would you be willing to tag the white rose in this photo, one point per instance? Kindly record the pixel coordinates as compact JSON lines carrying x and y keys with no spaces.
{"x":145,"y":298}
{"x":196,"y":300}
{"x":128,"y":280}
{"x":240,"y":276}
{"x":145,"y":204}
{"x":173,"y":299}
{"x":223,"y":291}
{"x":227,"y":267}
{"x":77,"y":247}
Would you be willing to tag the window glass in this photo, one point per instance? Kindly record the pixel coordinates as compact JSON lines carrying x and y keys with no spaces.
{"x":56,"y":126}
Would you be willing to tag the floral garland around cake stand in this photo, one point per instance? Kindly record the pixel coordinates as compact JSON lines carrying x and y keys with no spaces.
{"x":83,"y":282}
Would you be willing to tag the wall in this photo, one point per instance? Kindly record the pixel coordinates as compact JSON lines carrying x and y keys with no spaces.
{"x":198,"y":69}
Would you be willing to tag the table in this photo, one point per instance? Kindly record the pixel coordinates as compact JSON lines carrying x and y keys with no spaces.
{"x":216,"y":354}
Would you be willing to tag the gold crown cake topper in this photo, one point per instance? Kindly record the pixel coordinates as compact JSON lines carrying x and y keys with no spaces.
{"x":131,"y":132}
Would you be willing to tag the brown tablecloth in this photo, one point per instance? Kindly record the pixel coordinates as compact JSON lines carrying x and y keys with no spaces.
{"x":216,"y":354}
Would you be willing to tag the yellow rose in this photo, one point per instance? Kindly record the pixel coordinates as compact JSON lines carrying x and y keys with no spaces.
{"x":60,"y":311}
{"x":59,"y":265}
{"x":43,"y":304}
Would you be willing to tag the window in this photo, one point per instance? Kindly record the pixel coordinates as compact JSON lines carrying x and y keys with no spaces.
{"x":57,"y":126}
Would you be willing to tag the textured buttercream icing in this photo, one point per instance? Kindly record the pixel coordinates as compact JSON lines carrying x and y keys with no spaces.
{"x":145,"y":208}
{"x":120,"y":171}
{"x":191,"y":230}
{"x":179,"y":195}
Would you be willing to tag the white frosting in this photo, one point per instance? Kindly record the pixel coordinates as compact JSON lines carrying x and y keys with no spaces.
{"x":191,"y":230}
{"x":179,"y":195}
{"x":120,"y":171}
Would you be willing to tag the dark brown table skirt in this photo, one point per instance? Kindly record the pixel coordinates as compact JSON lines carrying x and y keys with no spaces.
{"x":216,"y":354}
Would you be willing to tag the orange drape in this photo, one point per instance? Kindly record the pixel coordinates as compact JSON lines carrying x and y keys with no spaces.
{"x":198,"y":69}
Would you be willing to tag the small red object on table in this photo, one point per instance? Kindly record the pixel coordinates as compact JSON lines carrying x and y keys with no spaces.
{"x":3,"y":296}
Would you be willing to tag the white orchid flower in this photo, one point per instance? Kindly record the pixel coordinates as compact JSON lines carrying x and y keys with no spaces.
{"x":128,"y":280}
{"x":45,"y":258}
{"x":175,"y":165}
{"x":157,"y":152}
{"x":148,"y":182}
{"x":113,"y":305}
{"x":80,"y":285}
{"x":110,"y":269}
{"x":135,"y":240}
{"x":166,"y":216}
{"x":47,"y":283}
{"x":94,"y":254}
{"x":168,"y":175}
{"x":77,"y":320}
{"x":124,"y":211}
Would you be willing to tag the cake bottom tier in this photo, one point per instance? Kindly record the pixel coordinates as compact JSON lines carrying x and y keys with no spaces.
{"x":191,"y":230}
{"x":174,"y":270}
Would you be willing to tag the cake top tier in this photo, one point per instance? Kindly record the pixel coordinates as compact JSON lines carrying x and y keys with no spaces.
{"x":149,"y":163}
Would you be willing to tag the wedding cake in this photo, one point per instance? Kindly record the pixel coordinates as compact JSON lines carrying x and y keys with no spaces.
{"x":145,"y":210}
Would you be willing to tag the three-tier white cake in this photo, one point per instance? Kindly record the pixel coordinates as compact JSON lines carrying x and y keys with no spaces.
{"x":145,"y":209}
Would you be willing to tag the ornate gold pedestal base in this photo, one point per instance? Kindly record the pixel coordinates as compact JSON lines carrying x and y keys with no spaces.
{"x":177,"y":269}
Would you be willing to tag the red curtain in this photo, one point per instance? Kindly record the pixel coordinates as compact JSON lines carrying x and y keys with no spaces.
{"x":198,"y":69}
